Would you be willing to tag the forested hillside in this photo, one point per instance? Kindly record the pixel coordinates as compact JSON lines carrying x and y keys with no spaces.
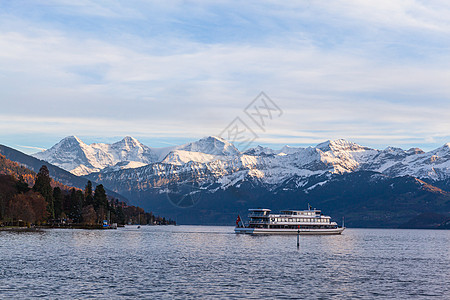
{"x":28,"y":198}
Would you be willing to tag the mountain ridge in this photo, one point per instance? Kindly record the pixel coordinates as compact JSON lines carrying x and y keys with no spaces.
{"x":210,"y":176}
{"x":337,"y":156}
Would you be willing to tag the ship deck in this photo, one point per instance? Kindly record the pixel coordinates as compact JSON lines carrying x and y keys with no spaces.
{"x":318,"y":231}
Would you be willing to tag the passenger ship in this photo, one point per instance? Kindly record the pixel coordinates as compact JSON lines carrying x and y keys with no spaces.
{"x":310,"y":221}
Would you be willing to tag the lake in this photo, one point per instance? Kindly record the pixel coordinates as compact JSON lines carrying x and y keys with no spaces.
{"x":211,"y":262}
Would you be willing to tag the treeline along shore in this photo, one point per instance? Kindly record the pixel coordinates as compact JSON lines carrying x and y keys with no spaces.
{"x":28,"y":199}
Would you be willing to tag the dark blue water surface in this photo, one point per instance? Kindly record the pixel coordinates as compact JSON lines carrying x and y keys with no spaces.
{"x":208,"y":262}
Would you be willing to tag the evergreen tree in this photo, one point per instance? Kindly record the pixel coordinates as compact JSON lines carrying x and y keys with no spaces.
{"x":100,"y":197}
{"x":58,"y":201}
{"x":22,"y":186}
{"x":120,"y":215}
{"x":88,"y":200}
{"x":42,"y":186}
{"x":75,"y":205}
{"x":100,"y":202}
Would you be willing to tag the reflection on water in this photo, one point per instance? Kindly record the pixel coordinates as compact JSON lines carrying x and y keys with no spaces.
{"x":213,"y":262}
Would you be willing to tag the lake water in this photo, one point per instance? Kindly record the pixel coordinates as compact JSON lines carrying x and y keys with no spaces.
{"x":209,"y":262}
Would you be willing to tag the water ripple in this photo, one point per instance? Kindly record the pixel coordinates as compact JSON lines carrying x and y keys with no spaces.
{"x":199,"y":262}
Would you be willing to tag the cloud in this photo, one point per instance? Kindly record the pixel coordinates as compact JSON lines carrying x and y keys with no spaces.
{"x":31,"y":147}
{"x":374,"y":71}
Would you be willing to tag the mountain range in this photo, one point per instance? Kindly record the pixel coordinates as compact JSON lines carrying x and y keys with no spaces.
{"x":226,"y":165}
{"x":210,"y":180}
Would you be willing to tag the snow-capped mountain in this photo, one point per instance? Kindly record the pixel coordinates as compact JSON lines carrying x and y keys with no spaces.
{"x":75,"y":156}
{"x":205,"y":150}
{"x":273,"y":168}
{"x":219,"y":161}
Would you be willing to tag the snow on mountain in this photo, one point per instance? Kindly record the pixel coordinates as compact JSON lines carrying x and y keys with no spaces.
{"x":211,"y":145}
{"x":275,"y":168}
{"x":122,"y":165}
{"x":204,"y":150}
{"x":181,"y":157}
{"x":434,"y":165}
{"x":259,"y":150}
{"x":70,"y":153}
{"x":212,"y":161}
{"x":75,"y":156}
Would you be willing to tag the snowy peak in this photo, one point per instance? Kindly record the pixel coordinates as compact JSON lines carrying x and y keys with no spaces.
{"x":68,"y":142}
{"x":211,"y":145}
{"x":128,"y":142}
{"x":340,"y":145}
{"x":443,"y":151}
{"x":219,"y":159}
{"x":289,"y":150}
{"x":75,"y":156}
{"x":71,"y":139}
{"x":205,"y":150}
{"x":259,"y":150}
{"x":415,"y":151}
{"x":68,"y":154}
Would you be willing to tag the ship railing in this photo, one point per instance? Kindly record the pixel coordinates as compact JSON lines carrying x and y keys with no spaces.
{"x":259,"y":221}
{"x":251,"y":215}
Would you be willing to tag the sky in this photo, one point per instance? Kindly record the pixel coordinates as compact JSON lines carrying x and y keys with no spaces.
{"x":167,"y":72}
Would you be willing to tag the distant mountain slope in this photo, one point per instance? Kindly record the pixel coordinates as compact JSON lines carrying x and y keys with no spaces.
{"x":365,"y":199}
{"x":16,"y":170}
{"x":56,"y":173}
{"x":9,"y":167}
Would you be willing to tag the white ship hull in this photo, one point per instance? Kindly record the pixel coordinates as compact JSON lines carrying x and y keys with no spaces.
{"x":318,"y":231}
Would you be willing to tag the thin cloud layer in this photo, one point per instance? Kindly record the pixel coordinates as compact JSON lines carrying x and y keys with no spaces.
{"x":375,"y":72}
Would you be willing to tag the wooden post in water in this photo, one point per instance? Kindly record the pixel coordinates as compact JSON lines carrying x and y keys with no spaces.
{"x":298,"y":237}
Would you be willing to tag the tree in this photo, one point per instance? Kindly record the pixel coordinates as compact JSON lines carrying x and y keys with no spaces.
{"x":20,"y":209}
{"x":21,"y":185}
{"x":100,"y":202}
{"x":74,"y":204}
{"x":7,"y":192}
{"x":43,"y":186}
{"x":30,"y":207}
{"x":89,"y":215}
{"x":58,"y":201}
{"x":88,"y":199}
{"x":39,"y":206}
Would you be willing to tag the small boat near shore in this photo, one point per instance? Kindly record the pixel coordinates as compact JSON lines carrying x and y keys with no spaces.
{"x":310,"y":221}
